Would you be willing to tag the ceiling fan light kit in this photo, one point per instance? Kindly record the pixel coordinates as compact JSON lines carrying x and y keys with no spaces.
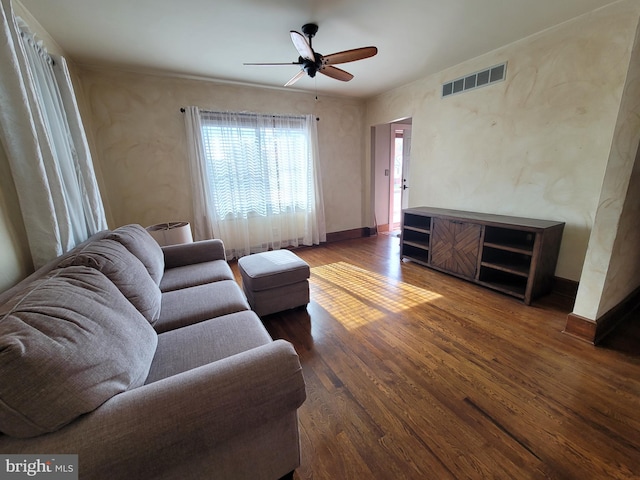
{"x":312,"y":62}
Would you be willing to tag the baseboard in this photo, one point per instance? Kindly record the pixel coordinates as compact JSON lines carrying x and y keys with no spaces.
{"x":350,"y":234}
{"x":581,"y":328}
{"x":594,"y":331}
{"x":565,"y":287}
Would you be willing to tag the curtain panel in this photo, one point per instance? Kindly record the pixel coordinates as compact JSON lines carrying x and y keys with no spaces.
{"x":43,"y":135}
{"x":255,"y":180}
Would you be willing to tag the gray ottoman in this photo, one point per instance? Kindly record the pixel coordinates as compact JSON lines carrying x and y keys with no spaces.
{"x":274,"y":281}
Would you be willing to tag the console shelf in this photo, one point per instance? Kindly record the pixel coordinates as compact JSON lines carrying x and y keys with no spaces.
{"x":513,"y":255}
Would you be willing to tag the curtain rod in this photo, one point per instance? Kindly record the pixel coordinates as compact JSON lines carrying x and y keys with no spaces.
{"x":30,"y":38}
{"x":182,"y":109}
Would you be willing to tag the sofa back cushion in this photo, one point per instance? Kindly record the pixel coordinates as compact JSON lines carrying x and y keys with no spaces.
{"x":140,"y":242}
{"x":68,"y":343}
{"x":45,"y":269}
{"x":126,"y":272}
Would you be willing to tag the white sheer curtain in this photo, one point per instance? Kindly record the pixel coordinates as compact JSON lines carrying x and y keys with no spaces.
{"x":255,"y":179}
{"x":44,"y":139}
{"x":200,"y":191}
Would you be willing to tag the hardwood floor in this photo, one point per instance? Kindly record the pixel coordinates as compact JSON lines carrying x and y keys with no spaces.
{"x":413,"y":374}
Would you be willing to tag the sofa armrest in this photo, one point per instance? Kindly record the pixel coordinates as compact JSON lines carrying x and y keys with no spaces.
{"x":194,"y":252}
{"x":171,"y":424}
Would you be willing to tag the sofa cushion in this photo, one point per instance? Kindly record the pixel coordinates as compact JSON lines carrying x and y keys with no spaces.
{"x":196,"y":304}
{"x":139,"y":242}
{"x":125,"y":271}
{"x":45,"y":269}
{"x":68,"y":343}
{"x":205,"y":342}
{"x":195,"y":274}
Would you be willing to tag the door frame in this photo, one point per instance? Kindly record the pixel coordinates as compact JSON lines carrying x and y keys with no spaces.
{"x":382,"y":164}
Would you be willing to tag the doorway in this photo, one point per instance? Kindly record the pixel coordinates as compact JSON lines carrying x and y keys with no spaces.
{"x":400,"y":168}
{"x":391,"y":156}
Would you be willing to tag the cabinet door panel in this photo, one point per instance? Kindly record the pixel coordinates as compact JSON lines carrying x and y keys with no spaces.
{"x":455,"y":246}
{"x":467,"y":248}
{"x":443,"y":239}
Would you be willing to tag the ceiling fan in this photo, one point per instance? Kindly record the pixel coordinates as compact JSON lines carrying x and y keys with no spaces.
{"x":313,"y":62}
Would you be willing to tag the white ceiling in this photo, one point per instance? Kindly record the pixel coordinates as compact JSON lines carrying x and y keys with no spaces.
{"x":212,"y":38}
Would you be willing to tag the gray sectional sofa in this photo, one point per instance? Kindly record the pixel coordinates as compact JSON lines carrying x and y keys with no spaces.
{"x":148,"y":363}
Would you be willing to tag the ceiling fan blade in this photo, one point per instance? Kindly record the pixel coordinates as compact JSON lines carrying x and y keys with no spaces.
{"x":301,"y":44}
{"x":271,"y":64}
{"x":295,"y":78}
{"x":335,"y":72}
{"x":349,"y":55}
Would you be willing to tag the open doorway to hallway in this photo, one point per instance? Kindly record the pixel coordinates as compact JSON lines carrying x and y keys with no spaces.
{"x":391,"y":156}
{"x":401,"y":147}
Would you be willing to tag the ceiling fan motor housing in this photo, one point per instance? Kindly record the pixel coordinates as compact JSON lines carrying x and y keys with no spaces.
{"x":312,"y":67}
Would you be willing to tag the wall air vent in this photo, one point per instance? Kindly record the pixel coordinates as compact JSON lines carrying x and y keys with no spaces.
{"x":479,"y":79}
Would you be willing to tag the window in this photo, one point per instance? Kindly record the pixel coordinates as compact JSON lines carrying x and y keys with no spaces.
{"x":257,"y":166}
{"x":259,"y":180}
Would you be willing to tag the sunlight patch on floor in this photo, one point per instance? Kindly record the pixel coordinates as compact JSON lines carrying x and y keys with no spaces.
{"x":356,"y":296}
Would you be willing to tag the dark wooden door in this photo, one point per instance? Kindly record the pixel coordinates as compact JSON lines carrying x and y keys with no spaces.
{"x":455,"y":246}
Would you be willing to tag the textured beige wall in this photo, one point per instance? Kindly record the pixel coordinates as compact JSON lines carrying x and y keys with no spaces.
{"x":612,"y":267}
{"x":535,"y":145}
{"x":15,"y":257}
{"x":139,"y":141}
